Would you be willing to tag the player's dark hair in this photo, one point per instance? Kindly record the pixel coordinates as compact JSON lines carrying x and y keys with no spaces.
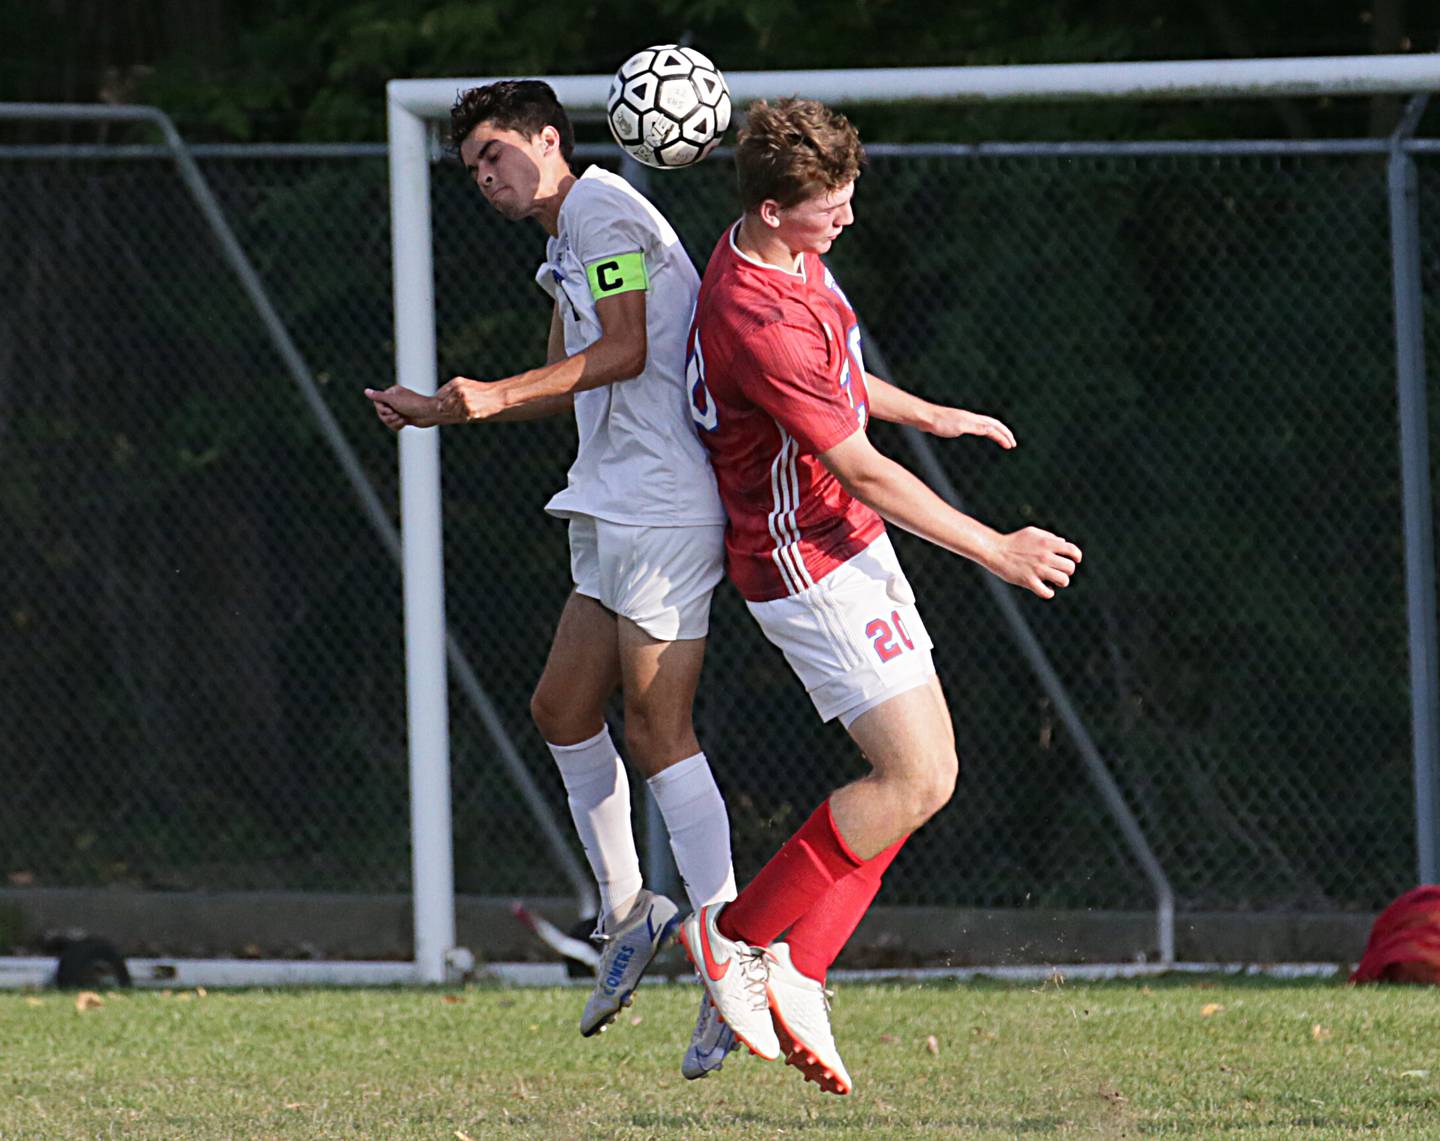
{"x":523,"y":105}
{"x":793,"y":149}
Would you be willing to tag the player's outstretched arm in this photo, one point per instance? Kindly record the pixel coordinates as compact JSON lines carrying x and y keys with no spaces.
{"x":544,"y":406}
{"x":545,"y":391}
{"x":897,"y":406}
{"x":1033,"y":558}
{"x":400,"y":407}
{"x":618,"y":355}
{"x":547,"y":405}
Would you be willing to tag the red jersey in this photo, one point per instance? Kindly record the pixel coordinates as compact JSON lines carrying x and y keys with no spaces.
{"x":776,"y":376}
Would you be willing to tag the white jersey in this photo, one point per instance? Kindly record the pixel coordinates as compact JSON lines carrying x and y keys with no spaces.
{"x":640,"y":460}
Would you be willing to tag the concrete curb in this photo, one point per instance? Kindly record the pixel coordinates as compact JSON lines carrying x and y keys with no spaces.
{"x":306,"y":925}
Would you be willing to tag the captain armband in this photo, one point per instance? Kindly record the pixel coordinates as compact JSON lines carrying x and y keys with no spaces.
{"x":622,"y":273}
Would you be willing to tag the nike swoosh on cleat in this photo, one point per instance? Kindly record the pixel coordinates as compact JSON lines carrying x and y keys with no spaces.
{"x":715,"y":970}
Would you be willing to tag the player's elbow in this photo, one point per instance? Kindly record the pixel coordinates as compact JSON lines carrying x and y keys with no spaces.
{"x":630,"y":354}
{"x":865,"y":484}
{"x":864,"y":473}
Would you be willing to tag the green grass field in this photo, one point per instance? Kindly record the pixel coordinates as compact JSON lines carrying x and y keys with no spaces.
{"x":1190,"y":1056}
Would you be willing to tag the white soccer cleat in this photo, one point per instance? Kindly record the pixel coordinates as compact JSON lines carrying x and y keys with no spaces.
{"x":800,"y":1007}
{"x":734,"y":975}
{"x":710,"y":1042}
{"x":627,"y":950}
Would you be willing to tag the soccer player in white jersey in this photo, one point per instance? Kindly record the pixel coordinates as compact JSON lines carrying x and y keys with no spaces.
{"x":780,"y":391}
{"x":646,"y":525}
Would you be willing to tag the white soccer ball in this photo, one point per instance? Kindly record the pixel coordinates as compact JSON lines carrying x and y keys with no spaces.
{"x":668,"y":106}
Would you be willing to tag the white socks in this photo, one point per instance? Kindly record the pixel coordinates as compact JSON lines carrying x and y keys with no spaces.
{"x":699,"y":829}
{"x":694,"y":811}
{"x":599,"y":794}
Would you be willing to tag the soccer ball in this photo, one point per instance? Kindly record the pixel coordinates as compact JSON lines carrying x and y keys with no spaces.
{"x":668,"y":106}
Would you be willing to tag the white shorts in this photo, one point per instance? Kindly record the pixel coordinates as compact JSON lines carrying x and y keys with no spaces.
{"x":855,"y":638}
{"x":661,"y":578}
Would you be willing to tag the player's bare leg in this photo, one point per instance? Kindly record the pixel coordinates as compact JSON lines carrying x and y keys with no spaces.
{"x":581,"y":674}
{"x":659,"y":680}
{"x":910,"y":744}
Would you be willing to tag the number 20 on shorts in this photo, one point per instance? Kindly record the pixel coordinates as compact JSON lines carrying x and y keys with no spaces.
{"x":882,"y":634}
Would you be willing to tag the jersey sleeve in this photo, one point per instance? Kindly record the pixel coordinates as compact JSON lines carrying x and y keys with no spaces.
{"x":614,"y":240}
{"x":788,"y":373}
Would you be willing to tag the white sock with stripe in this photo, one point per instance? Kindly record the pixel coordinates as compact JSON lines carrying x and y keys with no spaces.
{"x":699,"y":828}
{"x":599,"y":795}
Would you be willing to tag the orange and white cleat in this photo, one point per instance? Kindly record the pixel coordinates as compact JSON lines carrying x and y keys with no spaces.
{"x":800,"y":1009}
{"x":734,"y":974}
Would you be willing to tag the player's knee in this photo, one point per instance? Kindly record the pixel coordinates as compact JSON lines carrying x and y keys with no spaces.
{"x":558,"y":721}
{"x":934,"y":785}
{"x":542,"y":712}
{"x":656,"y":735}
{"x":647,"y":736}
{"x":947,"y":773}
{"x":639,"y":733}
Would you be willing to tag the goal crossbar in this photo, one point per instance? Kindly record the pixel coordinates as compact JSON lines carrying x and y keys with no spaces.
{"x":1161,"y":79}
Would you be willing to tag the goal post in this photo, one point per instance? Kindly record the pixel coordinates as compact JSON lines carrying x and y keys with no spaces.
{"x":413,"y":102}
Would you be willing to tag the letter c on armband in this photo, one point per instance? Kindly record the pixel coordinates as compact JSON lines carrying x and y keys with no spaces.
{"x":622,"y":273}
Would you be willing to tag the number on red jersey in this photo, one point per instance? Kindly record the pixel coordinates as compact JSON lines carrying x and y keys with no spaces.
{"x":702,"y":404}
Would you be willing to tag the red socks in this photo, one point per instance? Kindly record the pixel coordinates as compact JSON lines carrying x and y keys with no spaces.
{"x":821,"y":933}
{"x":809,"y":864}
{"x":816,"y":887}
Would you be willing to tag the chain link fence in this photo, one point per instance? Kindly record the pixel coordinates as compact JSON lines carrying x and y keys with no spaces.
{"x":201,"y":668}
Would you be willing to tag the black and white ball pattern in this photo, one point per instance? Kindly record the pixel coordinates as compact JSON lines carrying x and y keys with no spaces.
{"x":668,"y":106}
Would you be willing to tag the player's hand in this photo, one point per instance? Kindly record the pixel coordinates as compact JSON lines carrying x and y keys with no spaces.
{"x":1036,"y":560}
{"x":952,"y":422}
{"x":462,"y":399}
{"x":400,"y":407}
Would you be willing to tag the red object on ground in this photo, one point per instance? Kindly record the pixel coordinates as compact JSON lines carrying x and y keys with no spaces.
{"x":1404,"y":944}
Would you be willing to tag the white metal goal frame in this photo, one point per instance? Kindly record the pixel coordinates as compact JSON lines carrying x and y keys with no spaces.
{"x":412,"y":102}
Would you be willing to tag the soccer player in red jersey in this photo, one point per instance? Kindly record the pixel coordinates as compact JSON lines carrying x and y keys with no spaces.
{"x":779,"y":389}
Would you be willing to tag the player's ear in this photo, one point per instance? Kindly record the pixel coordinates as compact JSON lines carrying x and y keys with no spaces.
{"x":770,"y":213}
{"x":549,"y":138}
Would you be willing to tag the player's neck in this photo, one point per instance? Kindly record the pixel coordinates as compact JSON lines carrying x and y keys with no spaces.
{"x":547,"y":208}
{"x":756,"y":240}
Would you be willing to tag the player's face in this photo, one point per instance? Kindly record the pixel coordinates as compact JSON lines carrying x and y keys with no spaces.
{"x":813,"y":225}
{"x":508,"y":168}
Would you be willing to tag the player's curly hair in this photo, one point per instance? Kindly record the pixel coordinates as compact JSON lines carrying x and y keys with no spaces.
{"x":524,"y":105}
{"x":793,"y":149}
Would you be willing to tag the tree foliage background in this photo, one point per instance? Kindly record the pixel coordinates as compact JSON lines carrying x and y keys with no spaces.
{"x":279,"y":70}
